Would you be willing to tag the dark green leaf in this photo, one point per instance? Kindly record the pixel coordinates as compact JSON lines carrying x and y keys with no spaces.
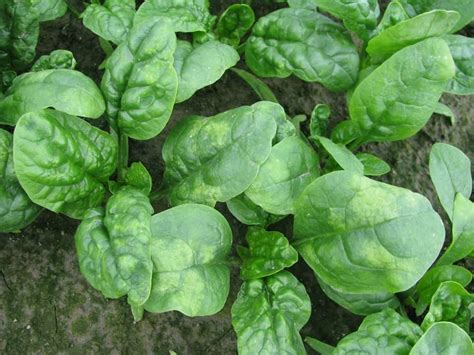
{"x":234,"y":23}
{"x":58,"y":59}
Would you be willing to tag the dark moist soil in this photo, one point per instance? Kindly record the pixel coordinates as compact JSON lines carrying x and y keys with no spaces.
{"x":48,"y":307}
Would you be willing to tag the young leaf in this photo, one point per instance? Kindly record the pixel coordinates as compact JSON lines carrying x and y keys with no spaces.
{"x":62,"y":162}
{"x":217,"y":158}
{"x":343,"y":156}
{"x":58,"y":59}
{"x":394,"y":14}
{"x":234,"y":23}
{"x":140,"y":82}
{"x":291,"y":166}
{"x":444,"y":338}
{"x":128,"y":218}
{"x":431,"y":24}
{"x":306,"y":44}
{"x":249,"y":213}
{"x":268,"y":315}
{"x":442,"y":109}
{"x":49,"y":10}
{"x":351,"y":230}
{"x":409,"y":84}
{"x":16,"y":209}
{"x":373,"y":165}
{"x":319,"y":346}
{"x":345,"y":132}
{"x":190,"y":245}
{"x":112,"y":20}
{"x":201,"y":66}
{"x":138,"y":176}
{"x":450,"y":171}
{"x":462,"y":50}
{"x":268,"y":254}
{"x":262,"y":90}
{"x":65,"y":90}
{"x":319,"y":120}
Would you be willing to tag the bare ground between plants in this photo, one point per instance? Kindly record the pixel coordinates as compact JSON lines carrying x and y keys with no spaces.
{"x":47,"y":306}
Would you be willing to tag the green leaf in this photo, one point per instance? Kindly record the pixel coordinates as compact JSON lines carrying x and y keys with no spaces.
{"x":268,"y":315}
{"x":291,"y":166}
{"x":138,"y":176}
{"x":319,"y":120}
{"x":363,"y":236}
{"x":65,"y":90}
{"x":268,"y":254}
{"x":450,"y":171}
{"x":462,"y":50}
{"x":181,"y":15}
{"x":16,"y":209}
{"x":306,"y":44}
{"x":234,"y":23}
{"x":112,"y":21}
{"x":190,"y":246}
{"x":373,"y":165}
{"x":217,"y":158}
{"x":249,"y":213}
{"x":450,"y":303}
{"x":410,"y":84}
{"x":345,"y":132}
{"x":343,"y":156}
{"x":140,"y":82}
{"x":97,"y":260}
{"x":462,"y":244}
{"x":442,"y":109}
{"x":58,"y":59}
{"x":431,"y":24}
{"x":319,"y":346}
{"x":385,"y":332}
{"x":303,"y":4}
{"x":128,"y":218}
{"x":49,"y":10}
{"x":62,"y":162}
{"x":394,"y":14}
{"x":444,"y":338}
{"x":262,"y":90}
{"x":358,"y":16}
{"x":201,"y":66}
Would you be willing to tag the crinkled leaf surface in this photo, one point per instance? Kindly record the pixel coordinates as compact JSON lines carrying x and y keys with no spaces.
{"x":291,"y":166}
{"x":65,"y":90}
{"x":268,"y":253}
{"x":385,"y":332}
{"x":319,"y":120}
{"x":373,"y":165}
{"x":58,"y":59}
{"x":462,"y":50}
{"x":234,"y":23}
{"x":394,"y":13}
{"x":268,"y":315}
{"x":140,"y":82}
{"x":444,"y":338}
{"x":450,"y":171}
{"x":217,"y":158}
{"x":249,"y":213}
{"x":112,"y":20}
{"x":62,"y":162}
{"x":364,"y":236}
{"x":138,"y":176}
{"x":306,"y":44}
{"x":408,"y":87}
{"x":16,"y":209}
{"x":49,"y":9}
{"x":342,"y":155}
{"x":201,"y":66}
{"x":128,"y":218}
{"x":97,"y":260}
{"x":190,"y":246}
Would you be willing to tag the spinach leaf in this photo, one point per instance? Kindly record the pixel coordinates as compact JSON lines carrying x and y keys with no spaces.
{"x":234,"y":23}
{"x":450,"y":171}
{"x":16,"y":209}
{"x":462,"y":50}
{"x":444,"y":338}
{"x":343,"y":156}
{"x":268,"y":253}
{"x":58,"y":59}
{"x":409,"y":84}
{"x":189,"y":247}
{"x":62,"y":162}
{"x":303,"y":4}
{"x":345,"y":132}
{"x":462,"y":244}
{"x":201,"y":66}
{"x":249,"y":213}
{"x":358,"y":16}
{"x":373,"y":165}
{"x":97,"y":260}
{"x":451,"y":303}
{"x":268,"y":315}
{"x":363,"y":236}
{"x":49,"y":10}
{"x":431,"y":24}
{"x":217,"y":158}
{"x":138,"y":176}
{"x":65,"y":90}
{"x":443,"y":110}
{"x":140,"y":83}
{"x":394,"y":14}
{"x":291,"y":166}
{"x":319,"y":120}
{"x":385,"y":332}
{"x":261,"y":89}
{"x":128,"y":218}
{"x":112,"y":20}
{"x":306,"y":44}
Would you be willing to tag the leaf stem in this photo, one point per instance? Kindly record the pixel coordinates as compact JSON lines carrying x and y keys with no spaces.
{"x":319,"y":346}
{"x":122,"y":162}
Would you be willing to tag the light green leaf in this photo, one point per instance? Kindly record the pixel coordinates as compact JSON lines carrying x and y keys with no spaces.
{"x":373,"y":165}
{"x":190,"y":246}
{"x":49,"y":10}
{"x":303,"y":4}
{"x":442,"y":109}
{"x":319,"y":120}
{"x":306,"y":44}
{"x":138,"y":176}
{"x":343,"y":156}
{"x":249,"y":213}
{"x":62,"y":162}
{"x":234,"y":23}
{"x":268,"y":315}
{"x":363,"y":236}
{"x":217,"y":158}
{"x":58,"y":59}
{"x":345,"y":132}
{"x":462,"y":50}
{"x":394,"y":13}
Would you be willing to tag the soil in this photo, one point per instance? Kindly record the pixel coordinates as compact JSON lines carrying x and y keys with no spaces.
{"x":48,"y":307}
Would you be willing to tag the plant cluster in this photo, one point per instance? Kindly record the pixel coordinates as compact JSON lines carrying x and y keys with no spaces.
{"x":375,"y":249}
